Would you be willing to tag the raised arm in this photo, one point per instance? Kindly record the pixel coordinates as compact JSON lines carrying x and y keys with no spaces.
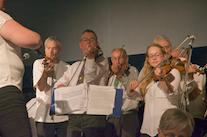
{"x":96,"y":71}
{"x":14,"y":32}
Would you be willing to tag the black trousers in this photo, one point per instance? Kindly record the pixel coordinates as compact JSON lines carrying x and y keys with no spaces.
{"x":52,"y":129}
{"x":125,"y":126}
{"x":14,"y":120}
{"x":86,"y":126}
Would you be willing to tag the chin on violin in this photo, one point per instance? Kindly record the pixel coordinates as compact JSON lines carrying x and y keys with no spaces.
{"x":119,"y":70}
{"x":92,"y":52}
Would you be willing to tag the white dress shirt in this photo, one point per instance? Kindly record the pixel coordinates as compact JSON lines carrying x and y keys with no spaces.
{"x":157,"y":102}
{"x":44,"y":97}
{"x":128,"y":103}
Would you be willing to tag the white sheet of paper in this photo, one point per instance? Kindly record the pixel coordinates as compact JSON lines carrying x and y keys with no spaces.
{"x":70,"y":100}
{"x":75,"y":100}
{"x":101,"y":100}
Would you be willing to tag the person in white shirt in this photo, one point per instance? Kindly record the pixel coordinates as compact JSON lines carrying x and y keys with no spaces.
{"x":165,"y":42}
{"x":45,"y":73}
{"x":176,"y":122}
{"x":122,"y":74}
{"x":95,"y":67}
{"x":13,"y":36}
{"x":159,"y":90}
{"x":196,"y":94}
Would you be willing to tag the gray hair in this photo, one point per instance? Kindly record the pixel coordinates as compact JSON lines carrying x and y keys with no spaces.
{"x":177,"y":119}
{"x":178,"y":48}
{"x":54,"y":39}
{"x":162,"y":37}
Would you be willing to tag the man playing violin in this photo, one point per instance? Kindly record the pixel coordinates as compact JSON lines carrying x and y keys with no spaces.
{"x":196,"y":92}
{"x":45,"y":74}
{"x":122,"y":74}
{"x":93,"y":69}
{"x":195,"y":85}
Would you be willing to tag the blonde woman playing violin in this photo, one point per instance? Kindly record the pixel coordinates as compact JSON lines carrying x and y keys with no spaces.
{"x":159,"y":95}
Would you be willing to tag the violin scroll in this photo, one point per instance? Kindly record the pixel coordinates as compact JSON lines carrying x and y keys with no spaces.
{"x":96,"y":50}
{"x":45,"y":61}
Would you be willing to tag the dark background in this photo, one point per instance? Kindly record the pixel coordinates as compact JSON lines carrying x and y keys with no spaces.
{"x":133,"y":23}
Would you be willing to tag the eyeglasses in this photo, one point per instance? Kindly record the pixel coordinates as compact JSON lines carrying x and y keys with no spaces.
{"x":157,"y":55}
{"x":90,"y":40}
{"x":171,"y":135}
{"x":168,"y":47}
{"x":119,"y":58}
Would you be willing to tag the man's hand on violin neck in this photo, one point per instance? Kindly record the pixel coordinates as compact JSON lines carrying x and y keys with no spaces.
{"x":90,"y":52}
{"x":192,"y":68}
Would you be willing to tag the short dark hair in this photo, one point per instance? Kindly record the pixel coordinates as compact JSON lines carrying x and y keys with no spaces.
{"x":91,"y":31}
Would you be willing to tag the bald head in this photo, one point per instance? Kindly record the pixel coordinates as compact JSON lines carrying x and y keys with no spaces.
{"x":119,"y":56}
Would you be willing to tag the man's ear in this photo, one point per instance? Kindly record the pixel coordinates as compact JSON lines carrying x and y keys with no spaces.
{"x":80,"y":45}
{"x":127,"y":59}
{"x":159,"y":132}
{"x":59,"y":51}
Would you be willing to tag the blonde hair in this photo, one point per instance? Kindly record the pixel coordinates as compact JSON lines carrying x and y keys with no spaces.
{"x":177,"y":119}
{"x":147,"y":69}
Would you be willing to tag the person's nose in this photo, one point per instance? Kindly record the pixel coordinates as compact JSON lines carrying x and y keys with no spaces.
{"x":118,"y":61}
{"x":88,"y":41}
{"x":154,"y":57}
{"x":51,"y":52}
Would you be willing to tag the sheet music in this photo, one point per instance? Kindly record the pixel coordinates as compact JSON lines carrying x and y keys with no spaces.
{"x":101,"y":100}
{"x":70,"y":100}
{"x":75,"y":100}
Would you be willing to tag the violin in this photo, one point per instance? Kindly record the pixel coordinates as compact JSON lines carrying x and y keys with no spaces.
{"x":97,"y":50}
{"x":166,"y":69}
{"x":180,"y":65}
{"x":45,"y":61}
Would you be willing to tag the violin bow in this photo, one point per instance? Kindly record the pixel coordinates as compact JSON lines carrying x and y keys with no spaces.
{"x":165,"y":59}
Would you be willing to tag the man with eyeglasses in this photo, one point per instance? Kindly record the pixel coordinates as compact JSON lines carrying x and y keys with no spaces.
{"x":121,"y":74}
{"x":94,"y":68}
{"x":176,"y":123}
